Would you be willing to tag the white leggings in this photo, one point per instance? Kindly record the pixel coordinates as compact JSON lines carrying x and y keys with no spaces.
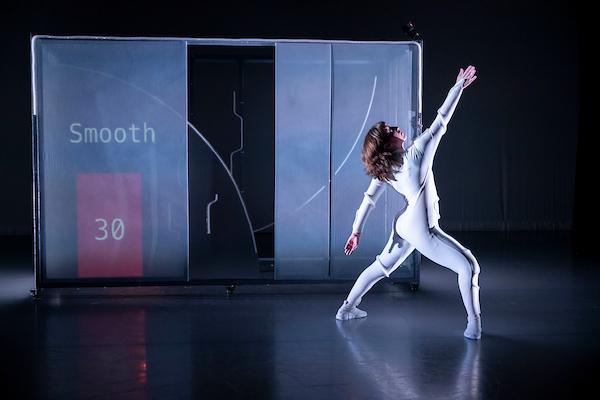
{"x":434,"y":244}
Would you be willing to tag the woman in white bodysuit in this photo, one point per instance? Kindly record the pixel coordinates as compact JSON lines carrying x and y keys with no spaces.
{"x":409,"y":171}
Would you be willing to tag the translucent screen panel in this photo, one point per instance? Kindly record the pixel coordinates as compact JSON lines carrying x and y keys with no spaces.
{"x":302,"y":121}
{"x":112,"y":143}
{"x":371,"y":82}
{"x":231,"y":150}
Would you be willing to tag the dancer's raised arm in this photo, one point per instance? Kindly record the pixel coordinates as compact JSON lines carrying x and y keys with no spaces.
{"x":444,"y":113}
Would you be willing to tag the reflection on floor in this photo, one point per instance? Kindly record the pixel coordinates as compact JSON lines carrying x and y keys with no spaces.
{"x":541,"y":320}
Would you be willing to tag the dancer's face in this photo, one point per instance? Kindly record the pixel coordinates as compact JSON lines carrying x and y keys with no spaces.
{"x":399,"y":134}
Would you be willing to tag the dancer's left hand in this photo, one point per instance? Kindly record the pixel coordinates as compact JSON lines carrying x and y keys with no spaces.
{"x":352,"y":243}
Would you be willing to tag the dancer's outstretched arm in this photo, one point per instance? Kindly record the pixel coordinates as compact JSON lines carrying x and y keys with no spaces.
{"x":444,"y":114}
{"x":371,"y":196}
{"x":425,"y":146}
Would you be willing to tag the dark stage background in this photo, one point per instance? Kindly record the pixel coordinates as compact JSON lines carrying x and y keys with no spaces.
{"x":517,"y":155}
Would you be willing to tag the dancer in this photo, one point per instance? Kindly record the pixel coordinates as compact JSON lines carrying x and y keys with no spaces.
{"x":409,"y":171}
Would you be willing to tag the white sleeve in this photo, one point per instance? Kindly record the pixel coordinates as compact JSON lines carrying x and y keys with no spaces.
{"x":373,"y":192}
{"x":444,"y":114}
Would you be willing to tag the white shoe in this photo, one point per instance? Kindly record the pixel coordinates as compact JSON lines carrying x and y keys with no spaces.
{"x":473,"y":330}
{"x":347,"y":312}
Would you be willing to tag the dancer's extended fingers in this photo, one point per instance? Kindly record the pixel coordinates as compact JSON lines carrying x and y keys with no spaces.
{"x":470,"y":72}
{"x":468,"y":82}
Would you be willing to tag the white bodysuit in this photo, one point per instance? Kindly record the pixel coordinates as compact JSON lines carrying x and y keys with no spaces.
{"x":416,"y":225}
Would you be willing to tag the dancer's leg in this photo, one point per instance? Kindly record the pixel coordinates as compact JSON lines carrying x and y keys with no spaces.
{"x":475,"y":269}
{"x":444,"y":250}
{"x":383,"y":266}
{"x":393,"y":254}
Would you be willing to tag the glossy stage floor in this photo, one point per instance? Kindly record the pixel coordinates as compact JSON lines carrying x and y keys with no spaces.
{"x":541,"y":321}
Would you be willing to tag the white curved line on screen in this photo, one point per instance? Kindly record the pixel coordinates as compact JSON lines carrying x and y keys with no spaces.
{"x":157,"y":99}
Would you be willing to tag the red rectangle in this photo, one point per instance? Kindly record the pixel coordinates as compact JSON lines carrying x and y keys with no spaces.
{"x":109,"y":225}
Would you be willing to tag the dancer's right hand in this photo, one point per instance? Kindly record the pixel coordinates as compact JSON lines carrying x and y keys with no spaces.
{"x":468,"y":75}
{"x":352,"y":243}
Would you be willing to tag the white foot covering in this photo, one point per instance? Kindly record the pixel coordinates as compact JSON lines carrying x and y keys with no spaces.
{"x":473,"y":330}
{"x":348,"y":311}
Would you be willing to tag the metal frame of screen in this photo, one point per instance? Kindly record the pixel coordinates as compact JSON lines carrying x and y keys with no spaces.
{"x":41,"y":283}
